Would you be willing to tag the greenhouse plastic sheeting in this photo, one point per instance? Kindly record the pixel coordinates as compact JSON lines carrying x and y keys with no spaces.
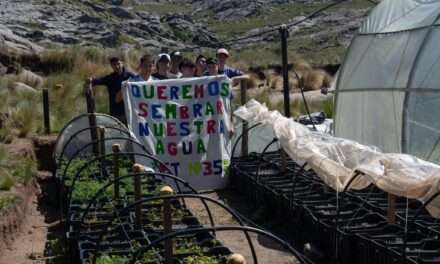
{"x":388,"y":88}
{"x":337,"y":160}
{"x":80,"y":139}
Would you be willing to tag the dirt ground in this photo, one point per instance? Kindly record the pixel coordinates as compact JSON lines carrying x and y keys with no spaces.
{"x":268,"y":250}
{"x":39,"y":237}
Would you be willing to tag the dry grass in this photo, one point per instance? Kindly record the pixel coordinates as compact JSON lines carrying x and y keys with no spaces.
{"x":315,"y":80}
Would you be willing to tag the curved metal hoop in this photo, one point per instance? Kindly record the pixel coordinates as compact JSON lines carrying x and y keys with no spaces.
{"x":98,"y":141}
{"x":100,"y":191}
{"x":85,"y":129}
{"x":86,"y":115}
{"x":245,"y":229}
{"x":197,"y":196}
{"x":69,"y":194}
{"x":240,"y":137}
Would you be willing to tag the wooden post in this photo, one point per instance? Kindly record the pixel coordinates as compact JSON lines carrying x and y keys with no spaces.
{"x":46,"y":112}
{"x":245,"y":139}
{"x":101,"y":136}
{"x":91,"y":109}
{"x":167,"y":224}
{"x":391,"y":212}
{"x":116,"y":148}
{"x":137,"y":168}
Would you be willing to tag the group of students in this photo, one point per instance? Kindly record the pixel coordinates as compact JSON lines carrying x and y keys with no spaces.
{"x":166,"y":66}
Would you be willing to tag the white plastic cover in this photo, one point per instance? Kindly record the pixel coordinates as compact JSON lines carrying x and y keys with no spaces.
{"x":75,"y":134}
{"x":399,"y":15}
{"x":388,"y":89}
{"x":337,"y":160}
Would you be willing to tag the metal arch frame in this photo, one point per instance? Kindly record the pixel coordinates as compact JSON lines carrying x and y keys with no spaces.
{"x":85,"y":129}
{"x":86,"y":115}
{"x":195,"y":196}
{"x":404,"y":132}
{"x":100,"y":191}
{"x":241,"y":136}
{"x":257,"y":176}
{"x":69,"y":194}
{"x":245,"y":229}
{"x":98,"y":141}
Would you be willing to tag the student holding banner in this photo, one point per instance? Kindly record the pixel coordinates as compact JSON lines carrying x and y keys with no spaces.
{"x":222,"y":57}
{"x":162,"y":66}
{"x":113,"y":82}
{"x":146,"y":66}
{"x":187,"y":68}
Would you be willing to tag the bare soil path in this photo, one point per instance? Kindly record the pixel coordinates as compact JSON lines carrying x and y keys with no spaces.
{"x":39,"y":238}
{"x":268,"y":251}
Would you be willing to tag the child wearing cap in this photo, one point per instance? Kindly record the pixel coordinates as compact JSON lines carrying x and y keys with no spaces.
{"x":162,"y":66}
{"x":212,"y":67}
{"x":222,"y":56}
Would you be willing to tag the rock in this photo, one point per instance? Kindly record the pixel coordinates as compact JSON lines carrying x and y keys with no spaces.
{"x":19,"y":87}
{"x":89,"y":19}
{"x":3,"y":69}
{"x":10,"y":42}
{"x":32,"y":79}
{"x":121,"y":12}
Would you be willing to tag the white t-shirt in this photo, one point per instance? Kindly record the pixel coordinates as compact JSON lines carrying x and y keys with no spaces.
{"x":174,"y":75}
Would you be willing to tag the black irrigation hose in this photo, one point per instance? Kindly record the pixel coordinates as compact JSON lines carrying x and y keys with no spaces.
{"x":306,"y":105}
{"x":100,"y":191}
{"x":257,"y":176}
{"x":150,"y":199}
{"x":245,"y":229}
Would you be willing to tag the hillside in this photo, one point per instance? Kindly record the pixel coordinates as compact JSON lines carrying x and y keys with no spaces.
{"x":177,"y":24}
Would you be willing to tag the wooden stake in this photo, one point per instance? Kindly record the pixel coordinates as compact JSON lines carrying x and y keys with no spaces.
{"x":167,"y":223}
{"x":116,"y":148}
{"x":90,"y":100}
{"x":137,"y":168}
{"x":101,"y":136}
{"x":46,"y":112}
{"x":391,"y":213}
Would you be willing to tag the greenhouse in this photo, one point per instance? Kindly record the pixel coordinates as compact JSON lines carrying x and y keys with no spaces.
{"x":388,"y":89}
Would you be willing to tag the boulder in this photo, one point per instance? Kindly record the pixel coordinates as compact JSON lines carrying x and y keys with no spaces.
{"x":30,"y":78}
{"x":10,"y":42}
{"x":21,"y":88}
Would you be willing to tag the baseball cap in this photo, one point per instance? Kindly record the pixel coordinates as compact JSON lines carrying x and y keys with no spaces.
{"x":163,"y":56}
{"x":176,"y":53}
{"x":223,"y":51}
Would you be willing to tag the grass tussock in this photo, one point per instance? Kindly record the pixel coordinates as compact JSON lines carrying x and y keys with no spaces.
{"x":15,"y":169}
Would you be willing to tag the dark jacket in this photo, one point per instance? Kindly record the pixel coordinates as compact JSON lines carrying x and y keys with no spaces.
{"x":113,"y":82}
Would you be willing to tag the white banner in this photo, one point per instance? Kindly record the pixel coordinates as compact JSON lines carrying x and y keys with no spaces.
{"x":185,"y":123}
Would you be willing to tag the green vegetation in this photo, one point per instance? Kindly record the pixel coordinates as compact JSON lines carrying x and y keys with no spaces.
{"x":8,"y":201}
{"x":201,"y":260}
{"x":280,"y":14}
{"x":15,"y":169}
